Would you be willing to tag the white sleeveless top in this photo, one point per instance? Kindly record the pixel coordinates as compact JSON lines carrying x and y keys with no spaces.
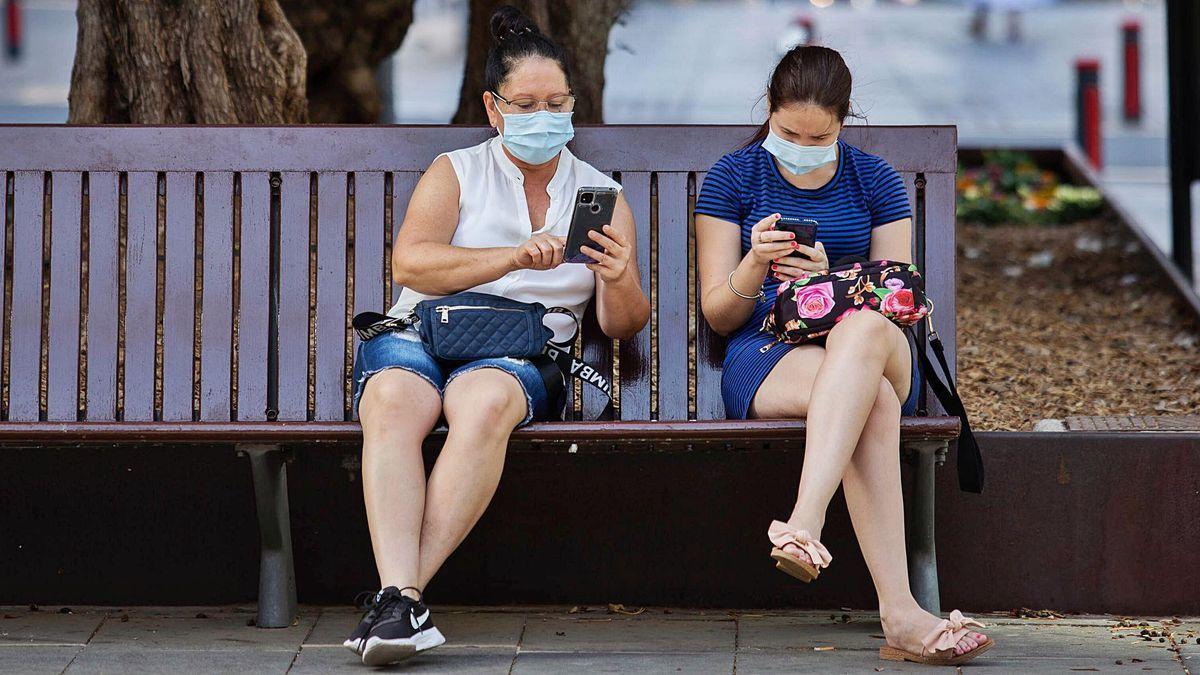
{"x":492,"y":212}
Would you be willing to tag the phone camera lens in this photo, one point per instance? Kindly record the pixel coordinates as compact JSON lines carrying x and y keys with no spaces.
{"x":587,"y":197}
{"x":595,"y":208}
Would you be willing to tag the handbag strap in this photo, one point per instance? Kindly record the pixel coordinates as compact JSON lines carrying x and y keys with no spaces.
{"x":968,"y":456}
{"x":564,"y":310}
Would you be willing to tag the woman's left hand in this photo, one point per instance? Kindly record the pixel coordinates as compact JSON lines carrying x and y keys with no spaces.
{"x":612,"y":262}
{"x":810,"y":259}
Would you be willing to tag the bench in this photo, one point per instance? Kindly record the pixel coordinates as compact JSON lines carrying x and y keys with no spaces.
{"x":193,"y":285}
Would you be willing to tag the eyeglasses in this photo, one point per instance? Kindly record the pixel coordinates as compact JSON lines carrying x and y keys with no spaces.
{"x":564,"y":103}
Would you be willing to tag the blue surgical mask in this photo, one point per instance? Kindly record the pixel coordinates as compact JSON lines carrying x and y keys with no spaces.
{"x":799,"y":159}
{"x":537,"y":137}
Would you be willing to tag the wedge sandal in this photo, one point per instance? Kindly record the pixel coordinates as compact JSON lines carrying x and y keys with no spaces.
{"x":782,"y":534}
{"x":937,"y":648}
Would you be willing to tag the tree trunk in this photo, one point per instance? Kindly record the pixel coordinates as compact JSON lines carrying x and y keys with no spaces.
{"x":581,"y":27}
{"x":346,"y":43}
{"x":194,"y":62}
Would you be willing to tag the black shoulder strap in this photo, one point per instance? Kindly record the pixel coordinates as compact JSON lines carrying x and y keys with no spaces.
{"x":968,"y":456}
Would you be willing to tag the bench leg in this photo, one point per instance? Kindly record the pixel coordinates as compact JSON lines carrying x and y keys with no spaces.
{"x":922,"y":553}
{"x":276,"y":575}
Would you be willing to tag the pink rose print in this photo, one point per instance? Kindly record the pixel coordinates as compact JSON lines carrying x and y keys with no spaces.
{"x":845,"y":314}
{"x":898,"y":302}
{"x":894,"y":284}
{"x":815,"y":301}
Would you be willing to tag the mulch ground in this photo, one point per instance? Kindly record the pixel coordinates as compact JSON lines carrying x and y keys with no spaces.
{"x":1069,"y":320}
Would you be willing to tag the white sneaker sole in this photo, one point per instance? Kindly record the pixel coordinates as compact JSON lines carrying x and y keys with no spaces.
{"x":381,"y":652}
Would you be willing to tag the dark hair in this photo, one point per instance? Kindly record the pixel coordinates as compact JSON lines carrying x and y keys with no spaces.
{"x":808,"y":74}
{"x":515,"y":37}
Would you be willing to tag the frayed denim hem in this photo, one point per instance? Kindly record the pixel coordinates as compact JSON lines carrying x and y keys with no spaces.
{"x":528,"y":397}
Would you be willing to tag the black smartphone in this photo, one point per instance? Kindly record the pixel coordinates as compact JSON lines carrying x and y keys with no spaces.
{"x":805,"y":230}
{"x":593,"y":210}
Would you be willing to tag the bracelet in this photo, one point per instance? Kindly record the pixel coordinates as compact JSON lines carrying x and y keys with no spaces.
{"x":760,"y":297}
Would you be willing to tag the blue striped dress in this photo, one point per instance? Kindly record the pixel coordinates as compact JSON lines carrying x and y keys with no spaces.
{"x":744,"y":187}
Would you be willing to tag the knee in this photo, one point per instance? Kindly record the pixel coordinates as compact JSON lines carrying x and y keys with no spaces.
{"x":485,"y":403}
{"x":865,"y":332}
{"x":396,"y":401}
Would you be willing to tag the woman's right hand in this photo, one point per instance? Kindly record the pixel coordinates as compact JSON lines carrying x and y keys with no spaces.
{"x":540,"y":252}
{"x":768,"y":244}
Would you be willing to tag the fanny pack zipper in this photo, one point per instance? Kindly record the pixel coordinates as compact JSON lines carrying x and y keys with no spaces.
{"x":445,"y":310}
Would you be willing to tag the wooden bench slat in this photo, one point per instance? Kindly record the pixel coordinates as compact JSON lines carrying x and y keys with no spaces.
{"x":63,"y":377}
{"x":293,"y":296}
{"x":141,"y":256}
{"x":369,"y":229}
{"x":4,"y":227}
{"x":672,"y":297}
{"x":330,"y":367}
{"x":179,"y":309}
{"x":26,"y":329}
{"x":729,"y":431}
{"x":254,"y":304}
{"x":216,"y":300}
{"x":103,"y":288}
{"x":635,"y":353}
{"x":710,"y":347}
{"x":939,"y":205}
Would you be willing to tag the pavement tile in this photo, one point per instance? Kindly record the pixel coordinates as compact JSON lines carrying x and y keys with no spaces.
{"x":627,"y":634}
{"x":222,"y":629}
{"x":1056,"y":642}
{"x":126,"y":660}
{"x":445,"y":659}
{"x":658,"y":662}
{"x":18,"y":625}
{"x":802,"y":634}
{"x":35,"y":659}
{"x":837,"y":661}
{"x":461,"y":627}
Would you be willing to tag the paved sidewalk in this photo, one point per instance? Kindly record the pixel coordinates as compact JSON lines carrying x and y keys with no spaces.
{"x":553,"y":639}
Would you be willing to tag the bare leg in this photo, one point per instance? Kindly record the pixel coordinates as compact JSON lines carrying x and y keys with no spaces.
{"x":397,"y":410}
{"x":482,"y":407}
{"x":857,"y":353}
{"x":876,"y":504}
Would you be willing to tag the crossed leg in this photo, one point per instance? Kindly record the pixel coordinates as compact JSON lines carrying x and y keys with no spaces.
{"x":850,"y":391}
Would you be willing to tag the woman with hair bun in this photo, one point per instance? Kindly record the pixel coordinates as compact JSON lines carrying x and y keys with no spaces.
{"x":492,"y":218}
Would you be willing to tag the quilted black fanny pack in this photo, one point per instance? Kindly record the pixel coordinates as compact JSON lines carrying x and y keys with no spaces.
{"x":469,"y":326}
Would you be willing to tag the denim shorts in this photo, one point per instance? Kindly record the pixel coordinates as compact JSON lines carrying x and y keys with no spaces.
{"x":404,"y":350}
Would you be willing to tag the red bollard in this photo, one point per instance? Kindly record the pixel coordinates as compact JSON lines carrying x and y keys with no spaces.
{"x":810,"y":32}
{"x":1131,"y":38}
{"x":1087,"y":110}
{"x":12,"y":28}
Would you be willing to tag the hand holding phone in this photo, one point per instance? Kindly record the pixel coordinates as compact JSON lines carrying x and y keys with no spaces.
{"x":805,"y":231}
{"x":593,"y":210}
{"x":799,"y":261}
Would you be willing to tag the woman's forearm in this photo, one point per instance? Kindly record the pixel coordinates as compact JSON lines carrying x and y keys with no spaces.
{"x":724,"y":310}
{"x":623,"y":308}
{"x":442,"y":269}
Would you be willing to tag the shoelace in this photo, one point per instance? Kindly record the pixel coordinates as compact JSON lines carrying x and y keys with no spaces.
{"x":380,"y":603}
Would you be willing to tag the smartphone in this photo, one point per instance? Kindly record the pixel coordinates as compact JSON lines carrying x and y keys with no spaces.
{"x":593,"y":210}
{"x":804,"y":229}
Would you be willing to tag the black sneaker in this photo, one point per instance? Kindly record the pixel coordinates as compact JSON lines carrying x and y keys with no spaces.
{"x":373,"y":604}
{"x":401,"y":628}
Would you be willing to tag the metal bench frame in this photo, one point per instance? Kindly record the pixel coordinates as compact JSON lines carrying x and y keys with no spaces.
{"x":241,"y":209}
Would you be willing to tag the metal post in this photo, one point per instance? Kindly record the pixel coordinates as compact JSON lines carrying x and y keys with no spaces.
{"x":1087,"y":110}
{"x":1183,"y":95}
{"x":1131,"y":51}
{"x":924,"y":456}
{"x":276,"y":575}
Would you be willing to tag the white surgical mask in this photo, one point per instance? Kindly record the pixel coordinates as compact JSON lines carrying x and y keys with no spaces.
{"x":798,"y":159}
{"x":536,"y":137}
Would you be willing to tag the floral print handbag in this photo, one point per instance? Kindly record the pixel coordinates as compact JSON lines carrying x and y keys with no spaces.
{"x":810,"y":306}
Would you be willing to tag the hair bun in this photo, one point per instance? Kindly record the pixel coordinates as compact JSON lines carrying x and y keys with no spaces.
{"x":508,"y":22}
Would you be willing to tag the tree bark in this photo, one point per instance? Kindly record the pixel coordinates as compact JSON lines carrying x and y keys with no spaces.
{"x":346,"y":42}
{"x":194,"y":62}
{"x":581,"y":27}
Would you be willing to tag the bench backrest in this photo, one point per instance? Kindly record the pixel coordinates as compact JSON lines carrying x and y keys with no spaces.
{"x":208,"y":273}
